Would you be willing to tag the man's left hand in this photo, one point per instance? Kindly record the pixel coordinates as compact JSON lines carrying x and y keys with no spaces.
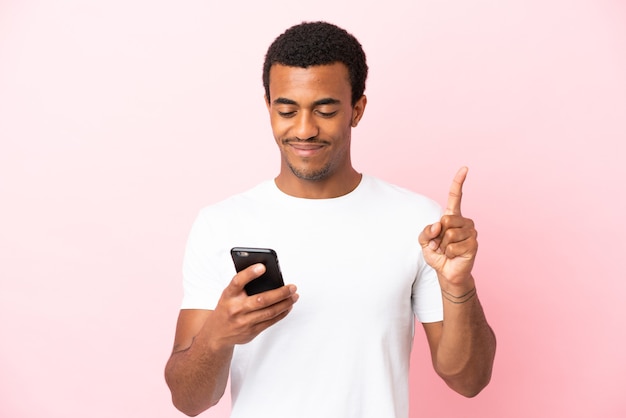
{"x":450,"y":245}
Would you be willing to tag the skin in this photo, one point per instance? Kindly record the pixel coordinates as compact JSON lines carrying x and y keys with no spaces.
{"x":197,"y":371}
{"x":312,"y":116}
{"x":463,"y":345}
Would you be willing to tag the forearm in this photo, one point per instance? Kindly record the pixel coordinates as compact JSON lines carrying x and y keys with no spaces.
{"x":466,"y":350}
{"x":197,"y":376}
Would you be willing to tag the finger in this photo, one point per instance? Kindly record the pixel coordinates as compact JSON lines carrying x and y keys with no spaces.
{"x":428,"y":234}
{"x":456,"y":228}
{"x":244,"y":277}
{"x":466,"y":249}
{"x":455,"y":236}
{"x":456,"y":192}
{"x":452,"y":222}
{"x":272,"y":297}
{"x":271,"y":312}
{"x":262,"y":326}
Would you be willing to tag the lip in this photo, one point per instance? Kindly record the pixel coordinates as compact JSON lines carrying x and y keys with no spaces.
{"x":306,"y":149}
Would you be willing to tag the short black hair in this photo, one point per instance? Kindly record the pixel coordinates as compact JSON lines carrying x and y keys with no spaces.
{"x":318,"y":43}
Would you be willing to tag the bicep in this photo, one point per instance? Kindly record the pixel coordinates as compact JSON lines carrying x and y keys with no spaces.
{"x":189,"y":324}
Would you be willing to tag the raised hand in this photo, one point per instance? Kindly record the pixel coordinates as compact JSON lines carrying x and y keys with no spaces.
{"x":450,"y":245}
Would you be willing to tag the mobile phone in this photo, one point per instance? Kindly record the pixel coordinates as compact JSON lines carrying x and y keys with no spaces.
{"x":244,"y":257}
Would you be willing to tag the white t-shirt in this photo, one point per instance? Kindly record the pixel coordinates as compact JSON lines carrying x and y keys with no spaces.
{"x":344,"y":349}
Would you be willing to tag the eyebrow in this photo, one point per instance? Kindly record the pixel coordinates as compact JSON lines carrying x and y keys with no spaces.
{"x":326,"y":101}
{"x":320,"y":102}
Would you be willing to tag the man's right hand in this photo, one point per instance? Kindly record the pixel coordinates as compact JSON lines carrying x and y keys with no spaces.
{"x":197,"y":371}
{"x":239,"y":318}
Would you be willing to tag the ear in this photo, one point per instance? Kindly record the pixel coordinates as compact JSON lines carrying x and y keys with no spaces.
{"x":357,"y":110}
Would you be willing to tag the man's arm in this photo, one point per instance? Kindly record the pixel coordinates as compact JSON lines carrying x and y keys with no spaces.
{"x":197,"y":371}
{"x":463,"y":345}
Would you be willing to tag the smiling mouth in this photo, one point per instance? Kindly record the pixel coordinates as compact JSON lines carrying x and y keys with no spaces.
{"x":305,"y":149}
{"x":305,"y":145}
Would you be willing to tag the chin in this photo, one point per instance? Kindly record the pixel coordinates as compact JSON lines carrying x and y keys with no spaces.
{"x":310,"y":174}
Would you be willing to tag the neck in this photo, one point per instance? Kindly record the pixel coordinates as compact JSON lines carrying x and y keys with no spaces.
{"x":329,"y":188}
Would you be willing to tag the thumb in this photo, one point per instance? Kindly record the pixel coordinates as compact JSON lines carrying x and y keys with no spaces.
{"x":429,"y":233}
{"x":244,"y":277}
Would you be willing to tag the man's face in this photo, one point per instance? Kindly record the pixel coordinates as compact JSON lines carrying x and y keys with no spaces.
{"x":312,"y":116}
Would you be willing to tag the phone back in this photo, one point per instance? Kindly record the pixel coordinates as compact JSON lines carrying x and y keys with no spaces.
{"x":272,"y":278}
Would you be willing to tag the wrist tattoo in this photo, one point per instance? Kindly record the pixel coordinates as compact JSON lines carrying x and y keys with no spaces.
{"x":459,"y":299}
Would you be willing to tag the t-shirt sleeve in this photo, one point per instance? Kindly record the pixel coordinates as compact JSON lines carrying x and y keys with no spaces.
{"x":202,"y":286}
{"x":426,"y":297}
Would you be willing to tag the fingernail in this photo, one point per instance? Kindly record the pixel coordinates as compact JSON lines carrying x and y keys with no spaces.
{"x":432,"y":245}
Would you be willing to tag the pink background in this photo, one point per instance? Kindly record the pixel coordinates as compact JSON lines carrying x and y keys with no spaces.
{"x":119,"y":120}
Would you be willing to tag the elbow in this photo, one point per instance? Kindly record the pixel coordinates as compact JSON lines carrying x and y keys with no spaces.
{"x":189,"y":413}
{"x":472,"y":389}
{"x":188,"y":407}
{"x":467,"y":383}
{"x":469,"y":378}
{"x":183,"y":399}
{"x":188,"y":410}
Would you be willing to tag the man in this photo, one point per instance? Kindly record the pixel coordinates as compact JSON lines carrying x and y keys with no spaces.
{"x":367,"y":257}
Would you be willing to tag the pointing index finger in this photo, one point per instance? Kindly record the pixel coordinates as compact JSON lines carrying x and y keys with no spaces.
{"x":456,"y":192}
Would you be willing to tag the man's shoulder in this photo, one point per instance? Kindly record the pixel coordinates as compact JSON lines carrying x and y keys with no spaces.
{"x":247,"y":199}
{"x":385,"y":191}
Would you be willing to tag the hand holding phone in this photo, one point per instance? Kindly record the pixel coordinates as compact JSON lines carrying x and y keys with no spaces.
{"x":244,"y":257}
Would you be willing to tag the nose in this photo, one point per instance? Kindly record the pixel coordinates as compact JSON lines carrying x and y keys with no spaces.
{"x":305,"y":126}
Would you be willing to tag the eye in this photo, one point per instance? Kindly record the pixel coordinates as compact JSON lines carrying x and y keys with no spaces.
{"x":285,"y":110}
{"x":326,"y":114}
{"x":289,"y":114}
